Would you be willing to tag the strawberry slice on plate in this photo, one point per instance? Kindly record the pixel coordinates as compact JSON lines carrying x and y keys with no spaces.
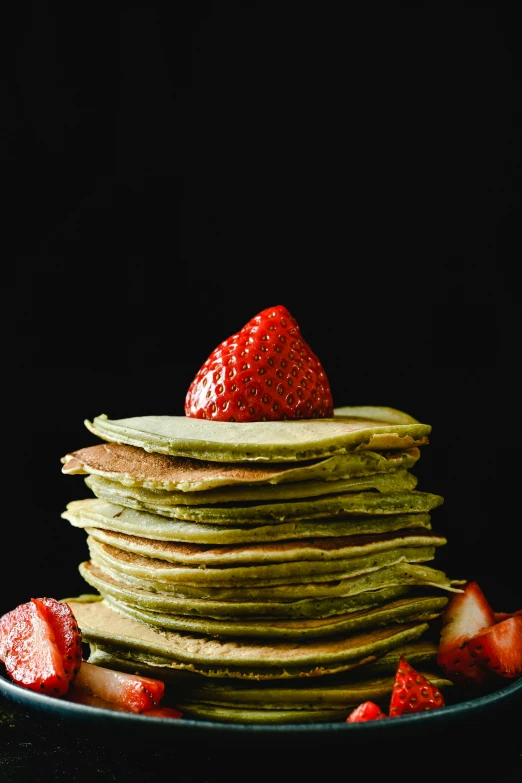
{"x":80,"y":696}
{"x":465,"y":615}
{"x":264,"y":372}
{"x":32,"y":656}
{"x":498,"y":649}
{"x":412,"y":692}
{"x":66,"y":633}
{"x":499,"y":616}
{"x":366,"y":711}
{"x":130,"y":692}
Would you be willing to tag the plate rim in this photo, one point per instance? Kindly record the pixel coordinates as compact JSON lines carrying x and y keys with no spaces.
{"x":53,"y":705}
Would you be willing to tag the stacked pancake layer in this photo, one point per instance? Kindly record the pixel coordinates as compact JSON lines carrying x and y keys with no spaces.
{"x":271,"y":572}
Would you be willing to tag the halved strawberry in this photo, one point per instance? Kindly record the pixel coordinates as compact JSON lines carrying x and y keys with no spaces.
{"x":129,"y":691}
{"x":79,"y":696}
{"x":264,"y":372}
{"x":463,"y":617}
{"x":499,"y":616}
{"x":498,"y":649}
{"x":412,"y":692}
{"x":368,"y":710}
{"x":31,"y":654}
{"x":67,"y":634}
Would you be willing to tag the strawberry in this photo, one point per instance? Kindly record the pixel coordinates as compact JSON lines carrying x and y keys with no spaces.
{"x":79,"y":696}
{"x":412,"y":692}
{"x":264,"y":372}
{"x":498,"y":649}
{"x":31,"y":654}
{"x":465,"y":615}
{"x":131,"y":692}
{"x":67,"y":634}
{"x":499,"y":616}
{"x":368,"y":710}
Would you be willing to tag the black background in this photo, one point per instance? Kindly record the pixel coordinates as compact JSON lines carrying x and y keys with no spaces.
{"x":168,"y":175}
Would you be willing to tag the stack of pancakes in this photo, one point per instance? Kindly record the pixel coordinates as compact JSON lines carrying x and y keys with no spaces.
{"x":271,"y":572}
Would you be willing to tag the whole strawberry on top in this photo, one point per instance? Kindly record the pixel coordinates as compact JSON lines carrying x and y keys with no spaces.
{"x":264,"y":372}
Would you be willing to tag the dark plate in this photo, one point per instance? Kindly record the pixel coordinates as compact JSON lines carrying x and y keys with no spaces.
{"x":108,"y":723}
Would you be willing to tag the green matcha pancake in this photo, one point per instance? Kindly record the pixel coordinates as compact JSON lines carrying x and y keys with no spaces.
{"x":112,"y":585}
{"x":420,"y":653}
{"x":253,"y":599}
{"x":418,"y":608}
{"x":256,"y":575}
{"x":332,"y":692}
{"x":346,"y":504}
{"x":133,"y":466}
{"x":242,"y":658}
{"x":282,"y":552}
{"x":392,"y":481}
{"x":352,"y":428}
{"x":92,"y":512}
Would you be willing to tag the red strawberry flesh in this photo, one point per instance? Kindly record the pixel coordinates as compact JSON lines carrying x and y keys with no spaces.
{"x":32,"y":658}
{"x":366,"y":711}
{"x":498,"y":649}
{"x":130,"y":691}
{"x":67,"y":635}
{"x":465,"y":615}
{"x":412,"y":692}
{"x":264,"y":372}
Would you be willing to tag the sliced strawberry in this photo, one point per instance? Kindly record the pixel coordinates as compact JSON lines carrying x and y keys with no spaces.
{"x":264,"y":372}
{"x":31,"y":655}
{"x":368,"y":710}
{"x":499,"y":616}
{"x":79,"y":696}
{"x":498,"y":649}
{"x":463,"y":617}
{"x":412,"y":692}
{"x":67,"y":635}
{"x":130,"y":691}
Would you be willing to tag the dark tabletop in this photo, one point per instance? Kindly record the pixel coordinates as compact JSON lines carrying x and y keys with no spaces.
{"x":37,"y":747}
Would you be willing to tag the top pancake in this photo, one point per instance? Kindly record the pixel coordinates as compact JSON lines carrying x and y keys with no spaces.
{"x":352,"y":429}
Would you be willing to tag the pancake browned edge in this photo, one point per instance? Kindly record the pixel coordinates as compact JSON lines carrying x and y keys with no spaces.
{"x":269,"y":574}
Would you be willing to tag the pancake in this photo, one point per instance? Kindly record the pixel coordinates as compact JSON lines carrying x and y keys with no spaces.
{"x":347,"y":504}
{"x":333,"y":692}
{"x":262,"y":717}
{"x":93,"y":512}
{"x":424,"y":608}
{"x":285,"y":552}
{"x":111,"y":584}
{"x":135,"y":467}
{"x":390,"y":481}
{"x":254,"y":598}
{"x":275,"y":659}
{"x":421,"y":653}
{"x":351,"y":429}
{"x":252,"y":576}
